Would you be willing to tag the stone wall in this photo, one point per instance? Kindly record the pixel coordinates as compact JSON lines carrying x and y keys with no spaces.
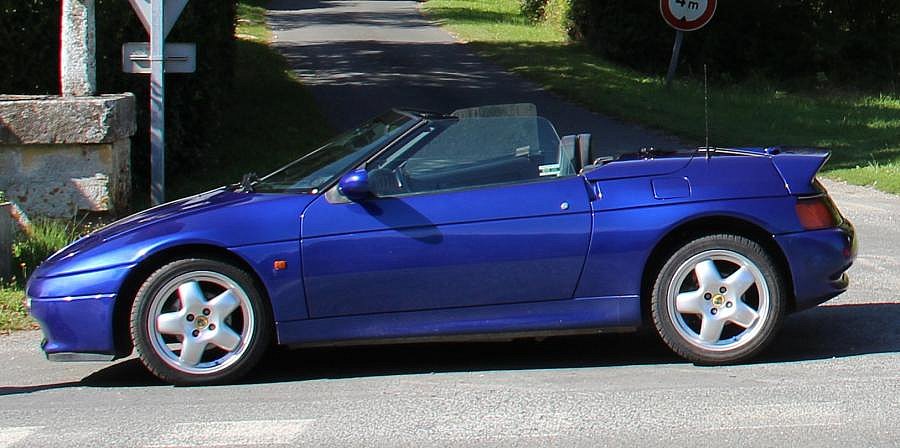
{"x":63,"y":155}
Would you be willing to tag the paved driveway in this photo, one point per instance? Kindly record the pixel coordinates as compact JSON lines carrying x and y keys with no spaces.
{"x":360,"y":58}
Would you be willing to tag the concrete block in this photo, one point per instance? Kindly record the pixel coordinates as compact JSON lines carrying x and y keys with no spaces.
{"x":42,"y":120}
{"x":62,"y":155}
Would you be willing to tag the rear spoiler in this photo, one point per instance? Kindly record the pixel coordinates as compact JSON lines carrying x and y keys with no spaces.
{"x":798,"y":168}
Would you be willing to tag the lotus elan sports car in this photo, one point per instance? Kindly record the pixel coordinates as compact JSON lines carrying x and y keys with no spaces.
{"x":420,"y":226}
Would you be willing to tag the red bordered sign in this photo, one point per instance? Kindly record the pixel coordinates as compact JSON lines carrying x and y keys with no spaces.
{"x":687,"y":15}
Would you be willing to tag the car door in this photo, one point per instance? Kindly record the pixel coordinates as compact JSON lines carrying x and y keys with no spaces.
{"x":463,"y":230}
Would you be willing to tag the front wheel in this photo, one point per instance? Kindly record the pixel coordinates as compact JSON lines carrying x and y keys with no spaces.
{"x":718,"y":300}
{"x":199,"y":321}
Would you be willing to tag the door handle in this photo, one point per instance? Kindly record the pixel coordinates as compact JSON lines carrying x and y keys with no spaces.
{"x":595,"y":189}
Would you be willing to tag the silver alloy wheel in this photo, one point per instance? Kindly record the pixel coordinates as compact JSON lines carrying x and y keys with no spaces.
{"x":716,"y":312}
{"x":200,"y":322}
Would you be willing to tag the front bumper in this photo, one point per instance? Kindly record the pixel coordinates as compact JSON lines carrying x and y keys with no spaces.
{"x":76,"y":313}
{"x":76,"y":325}
{"x":818,"y":262}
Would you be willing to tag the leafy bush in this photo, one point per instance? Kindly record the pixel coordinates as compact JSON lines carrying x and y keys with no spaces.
{"x":835,"y":41}
{"x":553,"y":12}
{"x":557,"y":13}
{"x":533,"y":9}
{"x":45,"y":237}
{"x":29,"y":54}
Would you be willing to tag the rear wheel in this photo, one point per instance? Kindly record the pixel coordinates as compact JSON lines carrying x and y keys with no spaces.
{"x":200,"y":321}
{"x":719,"y":299}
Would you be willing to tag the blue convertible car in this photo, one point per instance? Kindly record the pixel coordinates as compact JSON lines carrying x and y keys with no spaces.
{"x":422,"y":226}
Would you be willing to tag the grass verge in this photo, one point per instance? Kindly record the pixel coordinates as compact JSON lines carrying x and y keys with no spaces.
{"x":863,"y":131}
{"x":46,"y":236}
{"x":12,"y":310}
{"x":271,"y":119}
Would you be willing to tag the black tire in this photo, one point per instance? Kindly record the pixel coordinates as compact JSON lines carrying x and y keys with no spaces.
{"x":707,"y":306}
{"x":205,"y":322}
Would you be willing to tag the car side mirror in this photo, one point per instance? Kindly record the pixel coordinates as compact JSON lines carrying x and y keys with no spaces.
{"x":355,"y":185}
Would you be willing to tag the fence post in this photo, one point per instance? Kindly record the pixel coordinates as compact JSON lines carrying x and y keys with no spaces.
{"x":78,"y":64}
{"x":6,"y":237}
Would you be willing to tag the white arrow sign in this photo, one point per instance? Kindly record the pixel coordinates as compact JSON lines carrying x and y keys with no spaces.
{"x":158,"y":17}
{"x":174,"y":8}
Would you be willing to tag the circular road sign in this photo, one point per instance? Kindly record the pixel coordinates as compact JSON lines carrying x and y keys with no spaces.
{"x":687,"y":15}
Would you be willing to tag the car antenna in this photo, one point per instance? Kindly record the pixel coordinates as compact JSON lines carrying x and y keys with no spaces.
{"x":706,"y":108}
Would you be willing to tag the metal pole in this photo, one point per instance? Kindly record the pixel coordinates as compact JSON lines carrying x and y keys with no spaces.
{"x":157,"y":103}
{"x":676,"y":54}
{"x":706,"y":107}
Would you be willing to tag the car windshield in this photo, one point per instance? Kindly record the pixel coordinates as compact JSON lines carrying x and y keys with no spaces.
{"x":322,"y":166}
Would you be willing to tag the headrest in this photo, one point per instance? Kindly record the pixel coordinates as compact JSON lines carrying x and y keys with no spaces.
{"x":583,"y":153}
{"x":574,"y":154}
{"x":568,"y":156}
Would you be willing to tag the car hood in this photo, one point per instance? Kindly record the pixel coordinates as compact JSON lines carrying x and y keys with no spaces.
{"x":190,"y":219}
{"x":181,"y":207}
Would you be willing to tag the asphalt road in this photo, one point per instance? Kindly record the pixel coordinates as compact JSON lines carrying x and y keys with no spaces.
{"x":831,"y":379}
{"x":361,"y":58}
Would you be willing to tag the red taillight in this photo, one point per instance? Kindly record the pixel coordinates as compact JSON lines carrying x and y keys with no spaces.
{"x":816,"y":213}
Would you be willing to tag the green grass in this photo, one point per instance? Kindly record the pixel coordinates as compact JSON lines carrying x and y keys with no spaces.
{"x":863,"y":131}
{"x":45,"y":238}
{"x":252,"y":21}
{"x":491,"y":21}
{"x":885,"y":177}
{"x":272,"y":119}
{"x":12,"y":310}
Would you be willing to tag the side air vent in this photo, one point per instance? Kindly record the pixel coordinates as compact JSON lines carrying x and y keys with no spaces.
{"x":671,"y":188}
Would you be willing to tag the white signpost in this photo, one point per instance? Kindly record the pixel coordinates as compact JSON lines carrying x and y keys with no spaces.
{"x":158,"y":17}
{"x":180,"y":58}
{"x":684,"y":15}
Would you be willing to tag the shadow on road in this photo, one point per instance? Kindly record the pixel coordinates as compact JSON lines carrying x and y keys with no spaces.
{"x":127,"y":373}
{"x":837,"y":331}
{"x":821,"y":333}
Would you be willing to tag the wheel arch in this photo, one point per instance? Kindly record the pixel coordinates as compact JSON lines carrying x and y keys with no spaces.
{"x":704,"y":226}
{"x":146,"y":267}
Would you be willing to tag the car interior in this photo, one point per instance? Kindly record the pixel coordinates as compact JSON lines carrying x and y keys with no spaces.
{"x":476,"y":152}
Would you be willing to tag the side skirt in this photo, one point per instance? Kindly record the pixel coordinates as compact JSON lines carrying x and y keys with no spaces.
{"x":532,"y":319}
